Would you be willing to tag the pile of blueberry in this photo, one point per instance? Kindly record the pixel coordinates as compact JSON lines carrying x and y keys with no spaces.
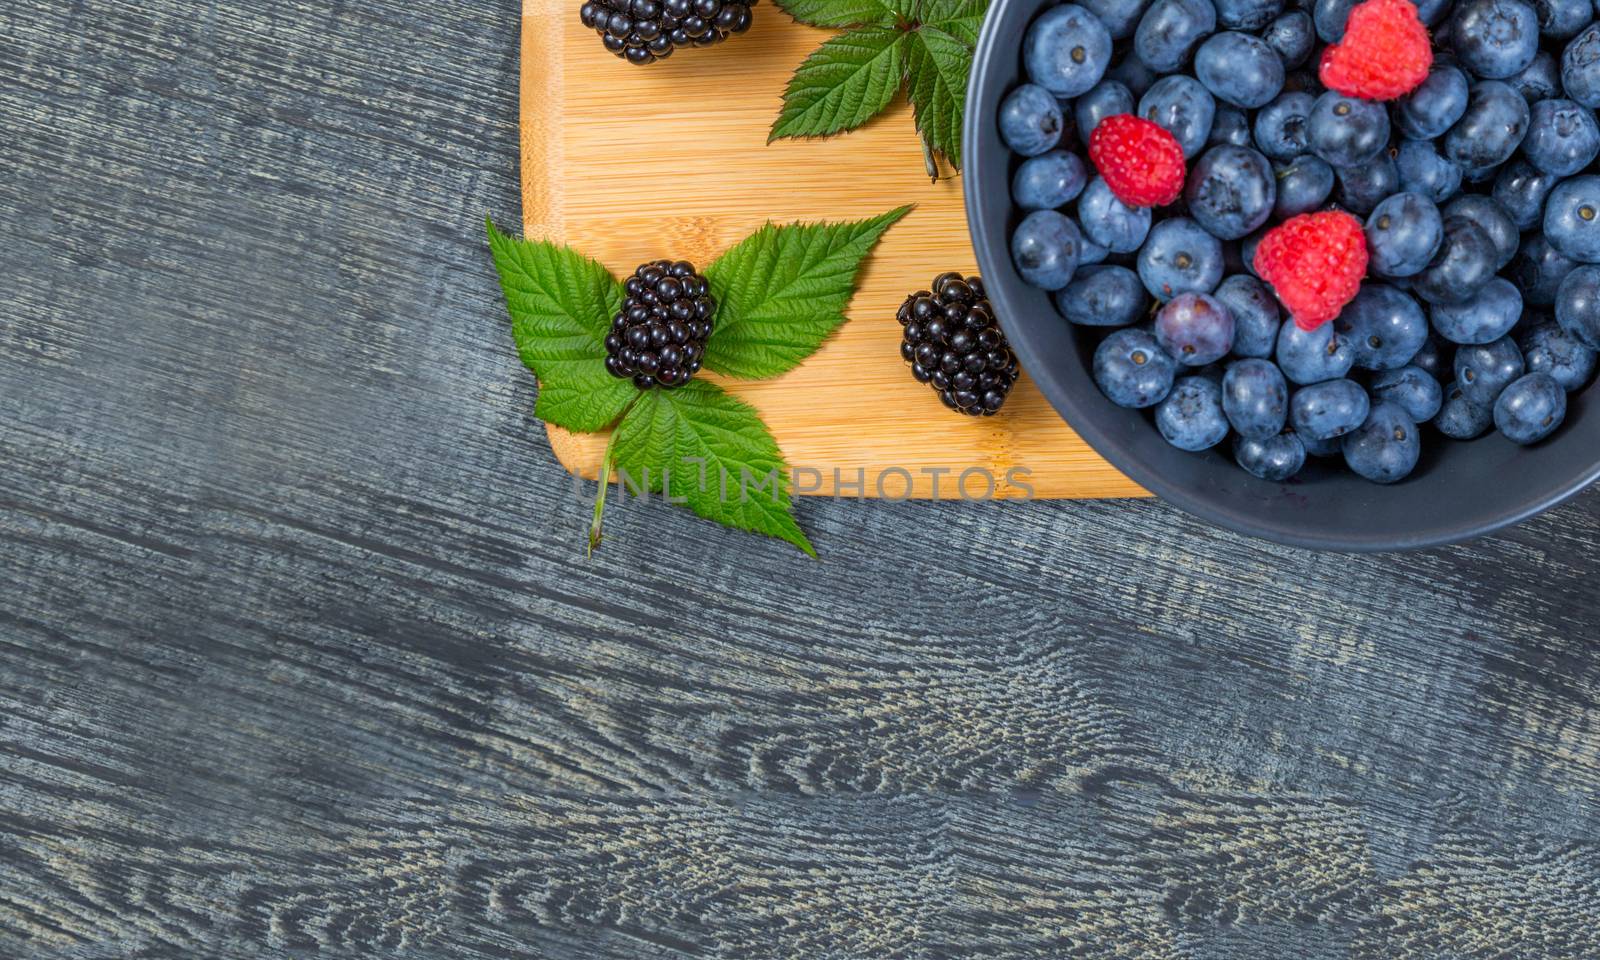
{"x":1367,"y":237}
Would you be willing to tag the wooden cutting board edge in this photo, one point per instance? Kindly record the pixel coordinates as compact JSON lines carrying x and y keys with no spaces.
{"x":542,"y":76}
{"x":542,"y":149}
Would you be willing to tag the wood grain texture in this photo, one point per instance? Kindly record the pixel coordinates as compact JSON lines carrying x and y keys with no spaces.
{"x":300,"y":655}
{"x":624,"y":166}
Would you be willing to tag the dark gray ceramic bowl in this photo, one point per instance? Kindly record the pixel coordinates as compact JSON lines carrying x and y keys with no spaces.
{"x":1459,"y":491}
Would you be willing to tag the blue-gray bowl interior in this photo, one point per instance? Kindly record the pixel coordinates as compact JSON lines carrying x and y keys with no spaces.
{"x":1459,"y":490}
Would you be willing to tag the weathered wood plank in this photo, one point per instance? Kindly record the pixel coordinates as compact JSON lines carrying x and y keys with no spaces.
{"x":299,"y":650}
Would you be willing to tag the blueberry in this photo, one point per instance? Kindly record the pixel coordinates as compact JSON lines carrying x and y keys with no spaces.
{"x":1103,"y":296}
{"x":1330,"y":16}
{"x":1066,"y":50}
{"x":1108,"y":99}
{"x":1521,"y":189}
{"x":1412,"y":390}
{"x":1291,"y":37}
{"x":1247,"y":250}
{"x":1329,"y":409}
{"x":1132,"y":72}
{"x":1423,"y":171}
{"x":1362,"y":188}
{"x":1132,"y":370}
{"x":1303,"y":186}
{"x":1255,"y":398}
{"x":1491,"y":129}
{"x":1430,"y":359}
{"x":1435,"y":106}
{"x":1322,"y":448}
{"x":1464,"y":263}
{"x":1030,"y":120}
{"x":1182,"y":107}
{"x":1229,"y":126}
{"x":1441,"y":42}
{"x":1562,"y":19}
{"x":1562,"y":137}
{"x":1494,"y":38}
{"x":1119,"y":16}
{"x":1580,"y":67}
{"x":1109,"y":222}
{"x":1539,"y":269}
{"x":1572,"y":218}
{"x":1048,"y":181}
{"x":1195,"y":329}
{"x":1045,"y":249}
{"x":1345,"y":131}
{"x":1312,"y":356}
{"x":1280,"y":129}
{"x":1531,"y":409}
{"x":1255,"y":315}
{"x":1230,"y":191}
{"x":1430,"y":12}
{"x":1460,"y":418}
{"x":1539,"y":80}
{"x":1403,"y":234}
{"x":1274,"y":459}
{"x":1483,"y":371}
{"x":1384,"y":327}
{"x":1549,"y":349}
{"x":1089,"y":252}
{"x":1191,"y":416}
{"x":1180,"y":257}
{"x":1578,"y":305}
{"x":1385,"y":448}
{"x":1247,"y":14}
{"x":1239,"y":69}
{"x":1496,"y":223}
{"x":1486,"y":316}
{"x":1169,"y":31}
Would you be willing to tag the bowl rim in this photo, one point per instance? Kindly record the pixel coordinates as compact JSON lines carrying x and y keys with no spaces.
{"x":977,"y":164}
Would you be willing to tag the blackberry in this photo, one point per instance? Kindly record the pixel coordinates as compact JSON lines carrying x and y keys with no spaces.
{"x":644,"y":31}
{"x":955,"y":346}
{"x":659,"y":338}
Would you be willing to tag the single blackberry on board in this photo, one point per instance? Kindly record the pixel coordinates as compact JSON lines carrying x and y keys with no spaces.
{"x":955,"y":346}
{"x":644,"y":31}
{"x":659,"y":338}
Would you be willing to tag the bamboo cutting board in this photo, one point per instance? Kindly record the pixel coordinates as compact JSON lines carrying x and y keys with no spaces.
{"x":630,"y":164}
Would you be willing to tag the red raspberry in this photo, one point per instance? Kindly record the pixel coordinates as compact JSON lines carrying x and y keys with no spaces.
{"x":1141,"y":162}
{"x":1385,"y":52}
{"x":1314,"y":263}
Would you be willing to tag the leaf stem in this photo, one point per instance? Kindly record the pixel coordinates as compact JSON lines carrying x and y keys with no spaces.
{"x":600,"y":495}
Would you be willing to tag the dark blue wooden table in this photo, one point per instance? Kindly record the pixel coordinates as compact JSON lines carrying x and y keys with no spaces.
{"x":299,"y":651}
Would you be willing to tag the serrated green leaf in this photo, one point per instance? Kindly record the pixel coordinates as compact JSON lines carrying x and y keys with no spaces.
{"x":561,"y":305}
{"x":782,"y":290}
{"x":845,"y":13}
{"x":962,"y":19}
{"x":937,"y":66}
{"x":932,"y":11}
{"x":959,"y":18}
{"x":712,"y":453}
{"x":844,"y":83}
{"x":964,"y":29}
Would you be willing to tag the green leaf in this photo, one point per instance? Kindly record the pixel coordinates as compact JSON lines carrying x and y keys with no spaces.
{"x":782,"y":290}
{"x":843,"y":84}
{"x":961,"y":19}
{"x":845,"y":13}
{"x":714,"y":454}
{"x":561,"y":305}
{"x":937,"y":65}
